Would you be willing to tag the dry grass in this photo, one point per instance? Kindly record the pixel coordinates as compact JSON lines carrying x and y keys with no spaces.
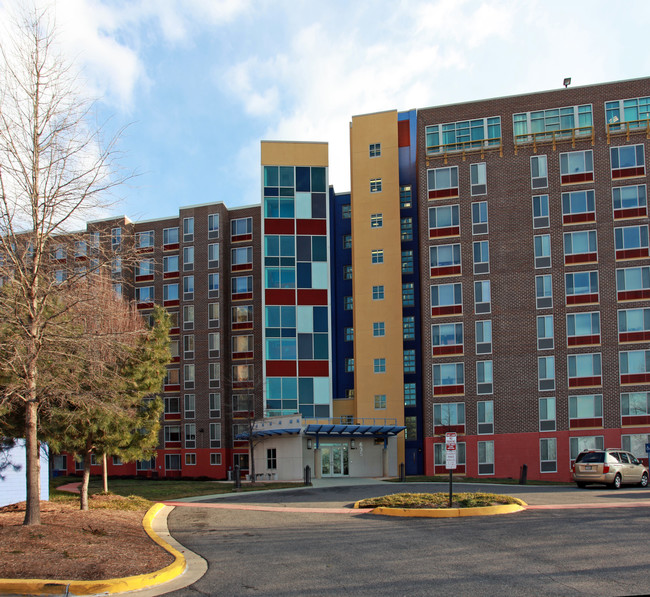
{"x":438,"y":500}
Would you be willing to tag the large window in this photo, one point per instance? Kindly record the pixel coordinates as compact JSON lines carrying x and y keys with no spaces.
{"x":406,"y":229}
{"x":447,"y":338}
{"x":170,"y":266}
{"x":635,"y":408}
{"x":577,"y":166}
{"x":241,"y":229}
{"x":408,"y":294}
{"x":555,"y":123}
{"x":445,"y":260}
{"x":449,"y":415}
{"x":633,"y":283}
{"x":584,"y":370}
{"x":464,"y":135}
{"x":243,"y":285}
{"x":581,"y":288}
{"x":407,"y":262}
{"x":580,"y":247}
{"x":631,"y":242}
{"x":444,"y":221}
{"x":408,"y":327}
{"x":578,"y":207}
{"x":379,"y":365}
{"x":448,"y":379}
{"x":583,"y":329}
{"x":627,"y":161}
{"x":634,"y":366}
{"x":144,"y":240}
{"x":442,"y":182}
{"x":170,"y":237}
{"x":635,"y":443}
{"x":589,"y":442}
{"x":446,"y":299}
{"x":409,"y":361}
{"x":242,"y":317}
{"x":634,"y":325}
{"x":629,"y":201}
{"x":410,"y":398}
{"x":586,"y":411}
{"x":440,"y":456}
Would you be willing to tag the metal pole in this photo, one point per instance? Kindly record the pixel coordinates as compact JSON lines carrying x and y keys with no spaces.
{"x":450,"y":491}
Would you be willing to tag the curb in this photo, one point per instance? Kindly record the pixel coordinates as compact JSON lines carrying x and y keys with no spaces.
{"x":114,"y":585}
{"x":447,"y":512}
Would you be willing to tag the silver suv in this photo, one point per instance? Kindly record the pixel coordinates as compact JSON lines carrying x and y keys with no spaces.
{"x":613,"y":467}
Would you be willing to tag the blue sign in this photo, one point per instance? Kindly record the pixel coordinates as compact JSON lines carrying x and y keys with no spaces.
{"x":647,"y":448}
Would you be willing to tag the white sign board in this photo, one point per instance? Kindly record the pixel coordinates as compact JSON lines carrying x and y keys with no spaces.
{"x":450,"y":450}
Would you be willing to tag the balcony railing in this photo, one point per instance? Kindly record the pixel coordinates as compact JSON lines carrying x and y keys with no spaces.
{"x":615,"y":129}
{"x":553,"y":137}
{"x":464,"y":147}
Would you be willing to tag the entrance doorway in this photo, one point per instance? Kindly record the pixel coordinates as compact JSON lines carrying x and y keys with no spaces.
{"x":334,"y":460}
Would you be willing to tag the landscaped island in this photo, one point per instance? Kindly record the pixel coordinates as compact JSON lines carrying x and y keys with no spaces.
{"x":439,"y":500}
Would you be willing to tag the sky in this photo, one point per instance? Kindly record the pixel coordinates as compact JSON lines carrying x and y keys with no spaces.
{"x":197,"y":84}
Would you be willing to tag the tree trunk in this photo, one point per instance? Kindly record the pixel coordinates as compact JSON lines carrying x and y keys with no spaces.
{"x":33,"y":465}
{"x":83,"y":492}
{"x":104,"y":473}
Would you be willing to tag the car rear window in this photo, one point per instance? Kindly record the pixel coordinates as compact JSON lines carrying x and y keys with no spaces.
{"x":591,"y":457}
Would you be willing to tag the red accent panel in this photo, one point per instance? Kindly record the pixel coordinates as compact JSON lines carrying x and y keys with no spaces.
{"x":581,"y":299}
{"x":403,"y":133}
{"x":439,"y":351}
{"x":633,"y":295}
{"x":172,"y":416}
{"x":280,"y":296}
{"x":635,"y":378}
{"x":172,"y":445}
{"x":448,"y":270}
{"x":239,"y":385}
{"x":582,"y":258}
{"x":145,"y":305}
{"x":450,"y":310}
{"x":634,"y":337}
{"x":448,"y":390}
{"x":632,"y":253}
{"x":242,"y":267}
{"x":169,"y":275}
{"x":312,"y":296}
{"x":145,"y":250}
{"x":440,"y":232}
{"x":147,"y":278}
{"x":278,"y":226}
{"x":579,"y":218}
{"x":176,"y":359}
{"x":442,"y":470}
{"x":630,"y":212}
{"x":174,"y":331}
{"x":448,"y":428}
{"x":575,"y":178}
{"x":171,"y":247}
{"x":636,"y":420}
{"x":583,"y":340}
{"x":313,"y":227}
{"x":173,"y":303}
{"x":174,"y":388}
{"x":444,"y":193}
{"x":81,"y":258}
{"x":242,"y":296}
{"x":281,"y":368}
{"x":238,"y":238}
{"x":628,"y":172}
{"x":242,"y":355}
{"x":313,"y":368}
{"x":580,"y":423}
{"x":245,"y":325}
{"x":585,"y":382}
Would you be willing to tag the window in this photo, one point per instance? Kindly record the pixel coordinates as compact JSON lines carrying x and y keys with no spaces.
{"x":242,"y":373}
{"x":406,"y":228}
{"x":271,"y":459}
{"x":545,"y":332}
{"x":442,"y":182}
{"x":544,"y":291}
{"x":580,"y":247}
{"x":213,"y":255}
{"x":408,"y":294}
{"x":242,"y":286}
{"x":478,"y":179}
{"x":542,"y":250}
{"x":377,"y":255}
{"x":451,"y":415}
{"x":190,"y":435}
{"x":380,"y":401}
{"x":409,"y":394}
{"x":188,"y":230}
{"x":583,"y":329}
{"x":633,"y":112}
{"x":483,"y":337}
{"x":378,"y":328}
{"x":190,"y":459}
{"x":407,"y":262}
{"x":170,"y":237}
{"x":556,"y":123}
{"x":172,"y":433}
{"x":213,"y":225}
{"x":633,"y":283}
{"x":409,"y":361}
{"x":485,"y":417}
{"x":548,"y":455}
{"x":144,"y":267}
{"x":634,"y":366}
{"x":242,"y":347}
{"x":116,"y":267}
{"x":349,"y":393}
{"x":347,"y":303}
{"x":635,"y":404}
{"x":346,"y":211}
{"x":379,"y":365}
{"x":627,"y":161}
{"x":485,"y":458}
{"x":634,"y":325}
{"x":170,"y":266}
{"x":375,"y":185}
{"x":188,"y":376}
{"x":213,"y":285}
{"x":241,"y":229}
{"x":484,"y":382}
{"x":444,"y":221}
{"x":188,"y":346}
{"x":547,"y":414}
{"x":405,"y":200}
{"x":347,"y":272}
{"x":635,"y":443}
{"x":347,"y":241}
{"x":242,"y":403}
{"x":538,"y":172}
{"x":440,"y":456}
{"x":444,"y":260}
{"x":463,"y":135}
{"x":188,"y":259}
{"x":116,"y":238}
{"x":446,"y":339}
{"x":214,"y":404}
{"x":170,"y":293}
{"x":584,"y":370}
{"x":581,"y":288}
{"x":482,"y":297}
{"x":448,"y":379}
{"x":578,"y":207}
{"x":479,"y":217}
{"x":580,"y":444}
{"x":481,"y":257}
{"x":546,"y":373}
{"x":629,"y":201}
{"x":172,"y":405}
{"x":242,"y":317}
{"x":631,"y":242}
{"x":376,"y":220}
{"x":144,"y":240}
{"x":446,"y":299}
{"x":172,"y":462}
{"x":408,"y":327}
{"x":215,"y":435}
{"x":348,"y":334}
{"x":378,"y":293}
{"x":172,"y":378}
{"x":540,"y":212}
{"x":585,"y":411}
{"x":577,"y":166}
{"x":188,"y":288}
{"x":349,"y":365}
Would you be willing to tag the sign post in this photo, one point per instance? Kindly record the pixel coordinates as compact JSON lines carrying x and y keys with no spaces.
{"x":450,"y":452}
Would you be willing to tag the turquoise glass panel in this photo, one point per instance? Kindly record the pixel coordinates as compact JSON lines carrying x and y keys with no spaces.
{"x":321,"y":351}
{"x":321,"y":390}
{"x":319,"y":275}
{"x":271,"y":176}
{"x":288,"y":317}
{"x":289,"y":388}
{"x":318,"y":180}
{"x":274,"y":388}
{"x":286,"y":176}
{"x":319,"y":248}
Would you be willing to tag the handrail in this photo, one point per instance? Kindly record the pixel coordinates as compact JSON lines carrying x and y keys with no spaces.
{"x":554,"y":137}
{"x":626,"y":127}
{"x":464,"y":147}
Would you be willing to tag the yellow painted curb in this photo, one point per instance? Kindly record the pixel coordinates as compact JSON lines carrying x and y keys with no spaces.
{"x":447,"y":512}
{"x":33,"y":586}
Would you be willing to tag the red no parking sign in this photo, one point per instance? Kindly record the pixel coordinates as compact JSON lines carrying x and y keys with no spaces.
{"x":450,"y":450}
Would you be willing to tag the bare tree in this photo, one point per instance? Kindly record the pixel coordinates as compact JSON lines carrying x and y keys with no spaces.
{"x":54,"y":172}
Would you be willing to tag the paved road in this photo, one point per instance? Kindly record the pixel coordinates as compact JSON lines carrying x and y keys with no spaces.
{"x":567,"y":551}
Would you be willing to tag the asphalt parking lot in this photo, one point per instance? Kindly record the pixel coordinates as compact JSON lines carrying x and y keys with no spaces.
{"x":573,"y":542}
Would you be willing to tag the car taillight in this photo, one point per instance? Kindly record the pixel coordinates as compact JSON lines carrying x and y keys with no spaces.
{"x":605,"y":469}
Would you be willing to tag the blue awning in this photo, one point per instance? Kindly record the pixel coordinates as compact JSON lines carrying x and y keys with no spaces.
{"x":354,"y":430}
{"x":268,"y":433}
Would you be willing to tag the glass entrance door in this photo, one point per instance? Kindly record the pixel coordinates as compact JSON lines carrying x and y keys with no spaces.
{"x":334,"y":460}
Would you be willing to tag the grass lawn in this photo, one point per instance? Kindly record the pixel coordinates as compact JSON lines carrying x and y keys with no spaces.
{"x":161,"y":490}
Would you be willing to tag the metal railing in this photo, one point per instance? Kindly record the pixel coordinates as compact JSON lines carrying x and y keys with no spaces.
{"x":615,"y":129}
{"x":553,"y":137}
{"x":465,"y":147}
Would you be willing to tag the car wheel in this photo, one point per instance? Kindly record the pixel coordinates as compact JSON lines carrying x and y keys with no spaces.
{"x":617,"y":482}
{"x":581,"y":484}
{"x":644,"y":480}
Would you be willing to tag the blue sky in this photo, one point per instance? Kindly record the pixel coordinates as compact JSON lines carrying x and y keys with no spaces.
{"x":200,"y":82}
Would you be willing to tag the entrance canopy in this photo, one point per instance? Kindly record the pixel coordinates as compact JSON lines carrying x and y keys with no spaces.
{"x":353,"y":430}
